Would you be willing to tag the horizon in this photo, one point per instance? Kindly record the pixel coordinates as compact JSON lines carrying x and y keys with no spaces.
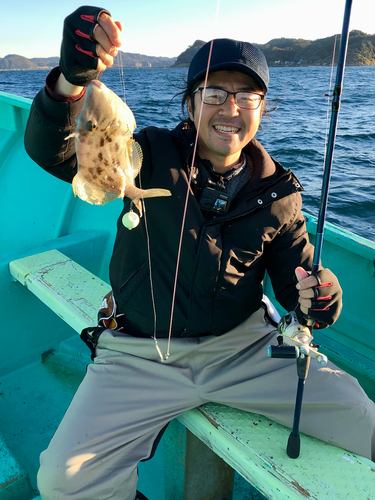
{"x":149,"y":26}
{"x":175,"y":57}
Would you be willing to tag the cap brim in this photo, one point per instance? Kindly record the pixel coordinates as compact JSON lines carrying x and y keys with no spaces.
{"x":235,"y":66}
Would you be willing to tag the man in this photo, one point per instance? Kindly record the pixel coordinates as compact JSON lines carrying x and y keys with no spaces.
{"x":243,"y":218}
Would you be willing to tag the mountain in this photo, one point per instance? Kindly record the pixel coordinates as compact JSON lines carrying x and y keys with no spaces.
{"x":43,"y":62}
{"x":292,"y":52}
{"x":183,"y":60}
{"x":129,"y":60}
{"x":278,"y":52}
{"x":299,"y":52}
{"x":14,"y":61}
{"x":125,"y":59}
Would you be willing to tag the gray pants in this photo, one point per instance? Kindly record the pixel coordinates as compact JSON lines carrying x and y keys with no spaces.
{"x":128,"y":395}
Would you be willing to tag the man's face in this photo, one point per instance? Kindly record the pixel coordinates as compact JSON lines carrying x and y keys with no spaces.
{"x":224,"y":130}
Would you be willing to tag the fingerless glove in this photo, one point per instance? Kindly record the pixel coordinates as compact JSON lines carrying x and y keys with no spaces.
{"x":78,"y":57}
{"x":327,"y":302}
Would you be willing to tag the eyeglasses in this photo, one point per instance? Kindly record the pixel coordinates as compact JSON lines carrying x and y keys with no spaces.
{"x":216,"y":97}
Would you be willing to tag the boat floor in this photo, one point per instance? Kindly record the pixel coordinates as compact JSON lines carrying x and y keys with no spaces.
{"x":33,"y":400}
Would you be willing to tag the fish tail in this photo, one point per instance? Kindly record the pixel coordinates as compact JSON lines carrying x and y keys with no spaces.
{"x":153,"y":193}
{"x":148,"y":193}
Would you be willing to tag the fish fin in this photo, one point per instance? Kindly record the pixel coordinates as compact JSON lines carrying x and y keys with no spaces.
{"x":135,"y":156}
{"x":74,"y":134}
{"x":91,"y":194}
{"x":112,"y":129}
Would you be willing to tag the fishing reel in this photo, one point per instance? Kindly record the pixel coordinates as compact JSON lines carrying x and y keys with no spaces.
{"x":294,"y":341}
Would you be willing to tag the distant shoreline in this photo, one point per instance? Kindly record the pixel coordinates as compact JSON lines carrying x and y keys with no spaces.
{"x":49,"y":68}
{"x":29,"y":69}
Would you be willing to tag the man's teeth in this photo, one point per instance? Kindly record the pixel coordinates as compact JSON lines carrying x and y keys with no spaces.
{"x":223,"y":128}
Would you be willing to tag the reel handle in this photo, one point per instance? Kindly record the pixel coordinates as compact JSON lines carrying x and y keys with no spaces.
{"x":282,"y":351}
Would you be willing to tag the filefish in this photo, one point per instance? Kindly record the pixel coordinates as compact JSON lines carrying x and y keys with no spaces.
{"x":109,"y":159}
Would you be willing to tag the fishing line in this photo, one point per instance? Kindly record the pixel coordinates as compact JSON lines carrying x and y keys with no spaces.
{"x":188,"y":190}
{"x":122,"y":83}
{"x":166,"y":356}
{"x":121,"y":74}
{"x":150,"y":272}
{"x":186,"y":203}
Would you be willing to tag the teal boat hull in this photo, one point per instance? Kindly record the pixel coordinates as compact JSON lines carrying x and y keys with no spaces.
{"x":42,"y":358}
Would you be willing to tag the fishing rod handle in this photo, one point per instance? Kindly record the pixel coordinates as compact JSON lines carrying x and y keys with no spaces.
{"x":294,"y":445}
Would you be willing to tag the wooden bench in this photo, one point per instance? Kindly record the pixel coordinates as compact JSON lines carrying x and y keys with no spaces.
{"x":250,"y":444}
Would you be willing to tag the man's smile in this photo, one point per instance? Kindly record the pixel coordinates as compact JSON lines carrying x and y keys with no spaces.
{"x":227,"y":129}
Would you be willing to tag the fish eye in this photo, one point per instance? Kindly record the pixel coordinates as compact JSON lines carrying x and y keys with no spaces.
{"x":91,"y":125}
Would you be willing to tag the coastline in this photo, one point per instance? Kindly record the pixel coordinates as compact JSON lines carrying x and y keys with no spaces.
{"x":285,"y":65}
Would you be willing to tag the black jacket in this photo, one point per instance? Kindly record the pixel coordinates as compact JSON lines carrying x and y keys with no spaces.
{"x":223,"y":259}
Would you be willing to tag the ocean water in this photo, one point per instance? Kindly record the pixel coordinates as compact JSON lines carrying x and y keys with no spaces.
{"x":294,"y":132}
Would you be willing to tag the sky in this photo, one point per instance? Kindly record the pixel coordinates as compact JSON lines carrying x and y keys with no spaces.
{"x":167,"y":27}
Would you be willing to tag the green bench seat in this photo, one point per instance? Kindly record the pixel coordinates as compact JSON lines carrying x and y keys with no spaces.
{"x":250,"y":444}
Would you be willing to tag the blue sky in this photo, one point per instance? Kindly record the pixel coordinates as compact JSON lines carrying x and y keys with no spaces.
{"x":167,"y":27}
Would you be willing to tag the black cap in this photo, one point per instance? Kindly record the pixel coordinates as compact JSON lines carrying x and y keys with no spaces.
{"x":230,"y":55}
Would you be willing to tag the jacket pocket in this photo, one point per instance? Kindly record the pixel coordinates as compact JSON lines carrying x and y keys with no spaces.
{"x":132,"y":285}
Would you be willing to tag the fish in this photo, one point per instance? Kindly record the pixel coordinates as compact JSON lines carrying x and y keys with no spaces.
{"x":108,"y":157}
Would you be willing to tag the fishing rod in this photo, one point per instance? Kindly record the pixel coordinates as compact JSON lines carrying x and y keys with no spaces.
{"x":332,"y":135}
{"x":294,"y":339}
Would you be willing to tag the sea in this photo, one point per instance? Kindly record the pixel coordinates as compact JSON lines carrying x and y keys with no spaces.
{"x":294,"y":131}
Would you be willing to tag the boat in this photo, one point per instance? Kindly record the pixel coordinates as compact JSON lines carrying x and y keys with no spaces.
{"x":43,"y":359}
